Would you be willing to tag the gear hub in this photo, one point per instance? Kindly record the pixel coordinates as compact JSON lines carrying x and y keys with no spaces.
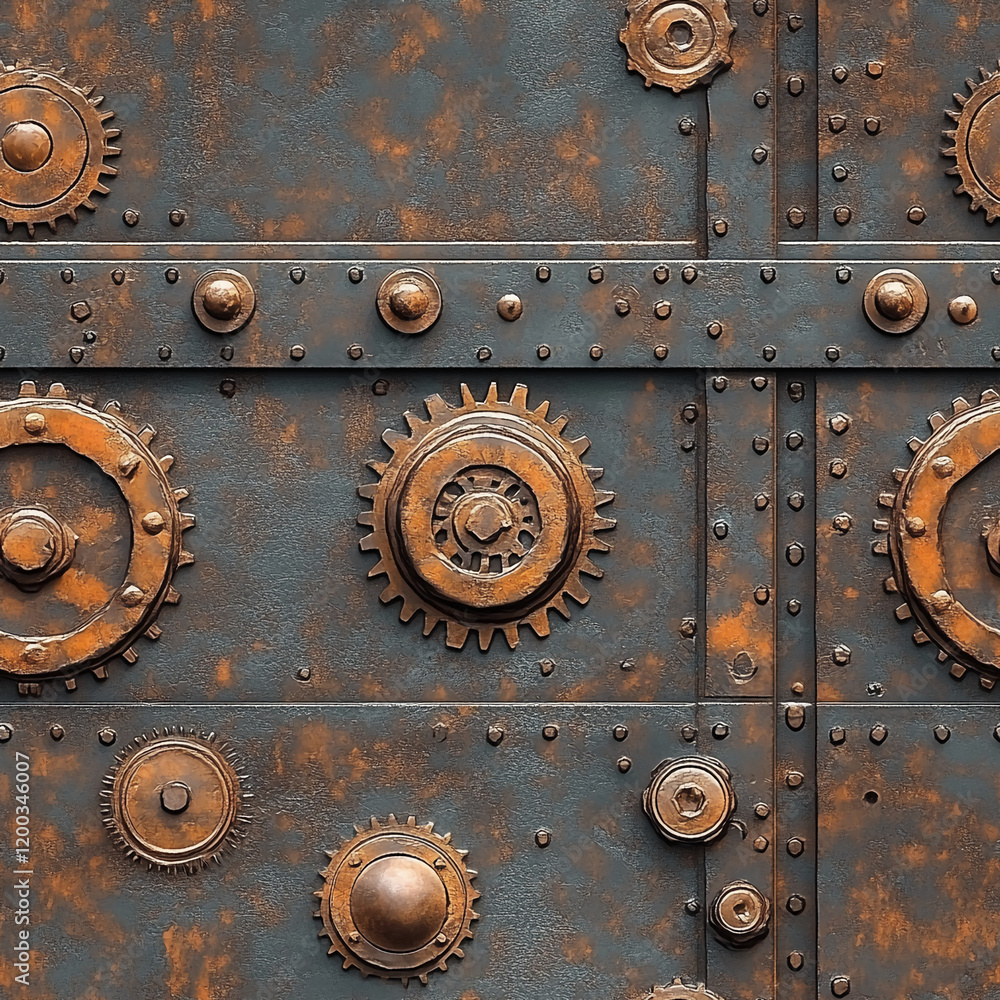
{"x":679,"y":990}
{"x":930,"y":515}
{"x":397,"y":902}
{"x":485,"y":517}
{"x":77,"y":606}
{"x":53,"y":146}
{"x":176,"y":800}
{"x":678,"y":43}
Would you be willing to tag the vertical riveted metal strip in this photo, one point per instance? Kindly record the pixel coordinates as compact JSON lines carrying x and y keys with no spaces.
{"x":797,"y":96}
{"x":795,"y":846}
{"x":741,"y":119}
{"x":739,"y":582}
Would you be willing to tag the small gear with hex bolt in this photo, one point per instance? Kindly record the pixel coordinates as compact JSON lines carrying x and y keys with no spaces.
{"x":974,"y":138}
{"x":485,"y":517}
{"x":53,"y":146}
{"x":90,"y":536}
{"x":397,"y":900}
{"x":176,"y":800}
{"x":678,"y":43}
{"x":943,"y":538}
{"x":679,"y":990}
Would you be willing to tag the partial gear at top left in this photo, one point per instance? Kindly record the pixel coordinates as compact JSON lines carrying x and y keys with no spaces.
{"x":53,"y":146}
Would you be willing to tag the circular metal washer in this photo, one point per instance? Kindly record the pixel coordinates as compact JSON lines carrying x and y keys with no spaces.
{"x":917,"y":291}
{"x":247,"y":296}
{"x":425,"y":285}
{"x":740,"y":913}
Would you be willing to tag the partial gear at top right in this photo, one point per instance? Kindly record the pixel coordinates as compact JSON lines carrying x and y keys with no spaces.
{"x":976,"y":143}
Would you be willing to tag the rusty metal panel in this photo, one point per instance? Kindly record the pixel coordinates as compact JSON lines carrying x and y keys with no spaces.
{"x":906,"y":882}
{"x":739,"y":599}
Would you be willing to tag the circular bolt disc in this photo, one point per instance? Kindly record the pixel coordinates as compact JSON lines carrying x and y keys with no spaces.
{"x":223,"y":301}
{"x":895,"y":302}
{"x":409,"y":301}
{"x":690,"y":799}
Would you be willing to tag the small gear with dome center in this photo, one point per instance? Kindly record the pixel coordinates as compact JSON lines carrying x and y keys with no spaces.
{"x":53,"y":146}
{"x":397,"y":900}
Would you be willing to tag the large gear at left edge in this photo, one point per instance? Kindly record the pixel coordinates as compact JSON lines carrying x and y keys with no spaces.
{"x":53,"y":146}
{"x":397,"y":900}
{"x":35,"y":542}
{"x":485,"y":517}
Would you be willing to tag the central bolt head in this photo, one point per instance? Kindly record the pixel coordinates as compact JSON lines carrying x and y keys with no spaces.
{"x":175,"y":796}
{"x":28,"y":545}
{"x":894,"y":300}
{"x":222,"y":299}
{"x":486,"y":521}
{"x":689,"y":801}
{"x":26,"y":146}
{"x":408,"y":300}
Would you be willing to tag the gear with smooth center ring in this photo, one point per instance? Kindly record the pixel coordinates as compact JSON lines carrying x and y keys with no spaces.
{"x":397,"y":900}
{"x":53,"y":145}
{"x":176,"y":800}
{"x":679,"y":990}
{"x":42,"y":556}
{"x":678,"y":44}
{"x":916,"y":529}
{"x":485,"y":517}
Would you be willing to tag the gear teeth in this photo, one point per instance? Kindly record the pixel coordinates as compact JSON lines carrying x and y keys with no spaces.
{"x":921,"y":638}
{"x":957,"y":671}
{"x":890,"y":585}
{"x":960,"y":405}
{"x":130,"y":656}
{"x":887,"y":500}
{"x":70,"y":683}
{"x":187,"y":521}
{"x":915,"y":444}
{"x":986,"y":683}
{"x":936,"y":420}
{"x":456,"y":635}
{"x":28,"y":389}
{"x":878,"y":525}
{"x":881,"y":547}
{"x":903,"y":612}
{"x":899,"y":474}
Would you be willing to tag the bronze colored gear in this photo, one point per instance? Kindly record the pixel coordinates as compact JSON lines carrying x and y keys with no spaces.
{"x":397,"y":900}
{"x":974,"y":137}
{"x":176,"y":800}
{"x":959,"y":443}
{"x":679,"y":990}
{"x":53,"y":145}
{"x":485,"y":517}
{"x":678,"y":43}
{"x":46,"y":565}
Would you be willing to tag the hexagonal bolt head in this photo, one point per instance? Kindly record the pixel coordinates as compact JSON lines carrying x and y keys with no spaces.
{"x":689,"y":801}
{"x":842,"y":655}
{"x":878,"y":734}
{"x":80,"y":311}
{"x":494,"y":735}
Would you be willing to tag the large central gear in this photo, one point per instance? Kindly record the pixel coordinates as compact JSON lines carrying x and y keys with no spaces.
{"x":976,"y":139}
{"x":485,"y":517}
{"x":937,"y":596}
{"x":397,"y":900}
{"x":68,"y":605}
{"x":53,"y":145}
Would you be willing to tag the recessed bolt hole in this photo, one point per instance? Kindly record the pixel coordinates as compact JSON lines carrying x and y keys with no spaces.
{"x":871,"y":797}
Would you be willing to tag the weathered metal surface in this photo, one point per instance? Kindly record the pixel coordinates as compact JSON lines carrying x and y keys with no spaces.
{"x":343,"y":233}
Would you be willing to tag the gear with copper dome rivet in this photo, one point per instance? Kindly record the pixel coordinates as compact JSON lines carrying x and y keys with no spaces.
{"x":920,"y":530}
{"x":485,"y":517}
{"x":975,"y":137}
{"x":176,"y":800}
{"x":679,"y":990}
{"x":86,"y":567}
{"x":397,"y":900}
{"x":678,"y":44}
{"x":53,"y":145}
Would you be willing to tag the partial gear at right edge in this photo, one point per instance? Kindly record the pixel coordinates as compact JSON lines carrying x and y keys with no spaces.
{"x":975,"y":139}
{"x":679,"y":990}
{"x":678,"y":44}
